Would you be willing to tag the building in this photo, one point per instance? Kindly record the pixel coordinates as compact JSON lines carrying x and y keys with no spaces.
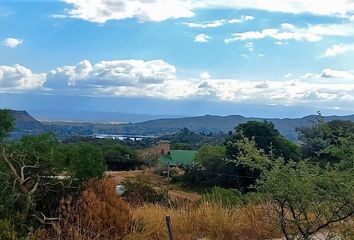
{"x":175,"y":157}
{"x":164,"y":146}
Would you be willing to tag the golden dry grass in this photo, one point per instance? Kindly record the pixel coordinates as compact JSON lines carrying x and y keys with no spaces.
{"x":158,"y":182}
{"x":203,"y":222}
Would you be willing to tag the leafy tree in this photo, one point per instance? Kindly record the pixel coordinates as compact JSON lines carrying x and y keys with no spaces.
{"x":212,"y":169}
{"x":330,"y":142}
{"x":306,"y":197}
{"x":82,"y":160}
{"x":30,"y":178}
{"x":266,"y":137}
{"x":7,"y":123}
{"x":211,"y":157}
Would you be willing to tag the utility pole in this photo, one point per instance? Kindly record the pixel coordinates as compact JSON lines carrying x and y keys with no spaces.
{"x":168,"y":176}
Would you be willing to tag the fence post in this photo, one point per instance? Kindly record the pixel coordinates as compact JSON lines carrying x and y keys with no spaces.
{"x":169,"y":227}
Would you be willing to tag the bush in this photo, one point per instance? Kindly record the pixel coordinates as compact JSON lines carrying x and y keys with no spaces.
{"x":97,"y":214}
{"x":138,"y":192}
{"x":222,"y":196}
{"x":7,"y":231}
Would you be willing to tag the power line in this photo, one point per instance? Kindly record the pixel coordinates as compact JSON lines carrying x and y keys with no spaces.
{"x":229,"y":175}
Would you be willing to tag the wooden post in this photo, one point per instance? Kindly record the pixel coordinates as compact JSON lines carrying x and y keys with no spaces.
{"x":169,"y":227}
{"x":168,"y":177}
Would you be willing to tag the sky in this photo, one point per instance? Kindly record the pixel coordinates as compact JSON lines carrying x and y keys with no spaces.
{"x":275,"y":58}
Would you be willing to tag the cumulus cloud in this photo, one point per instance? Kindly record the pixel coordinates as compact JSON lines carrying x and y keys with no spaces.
{"x":330,"y":73}
{"x":112,"y":73}
{"x":101,"y":11}
{"x":202,"y":38}
{"x":12,"y":42}
{"x":159,"y":79}
{"x":18,"y":78}
{"x":288,"y":31}
{"x":337,"y":49}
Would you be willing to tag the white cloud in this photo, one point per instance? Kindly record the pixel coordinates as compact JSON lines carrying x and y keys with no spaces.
{"x":337,"y":49}
{"x":18,"y":77}
{"x":158,"y":79}
{"x":202,"y":38}
{"x":219,"y":22}
{"x":209,"y":24}
{"x":317,"y":7}
{"x":12,"y":42}
{"x":112,"y":73}
{"x":330,"y":73}
{"x":288,"y":31}
{"x":101,"y":11}
{"x":205,"y":75}
{"x":242,"y":19}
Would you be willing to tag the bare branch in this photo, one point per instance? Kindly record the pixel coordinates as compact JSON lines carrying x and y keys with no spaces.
{"x":8,"y":162}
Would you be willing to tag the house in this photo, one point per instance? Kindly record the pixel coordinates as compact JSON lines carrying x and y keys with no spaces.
{"x":175,"y":157}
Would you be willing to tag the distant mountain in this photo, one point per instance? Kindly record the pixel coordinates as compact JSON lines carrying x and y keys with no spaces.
{"x":26,"y":124}
{"x":212,"y":123}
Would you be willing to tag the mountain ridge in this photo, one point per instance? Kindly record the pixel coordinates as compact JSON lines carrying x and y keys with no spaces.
{"x":25,"y":123}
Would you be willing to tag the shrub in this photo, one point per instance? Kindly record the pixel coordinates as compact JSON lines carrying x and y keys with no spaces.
{"x":138,"y":192}
{"x":224,"y":197}
{"x":7,"y":231}
{"x":97,"y":214}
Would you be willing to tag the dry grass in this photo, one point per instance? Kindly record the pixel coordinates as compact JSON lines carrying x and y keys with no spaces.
{"x":97,"y":214}
{"x":158,"y":182}
{"x":203,"y":222}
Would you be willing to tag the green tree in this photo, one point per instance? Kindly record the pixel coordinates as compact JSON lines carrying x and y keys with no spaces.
{"x":330,"y":142}
{"x":83,"y":161}
{"x":266,"y":137}
{"x":7,"y":123}
{"x":306,"y":197}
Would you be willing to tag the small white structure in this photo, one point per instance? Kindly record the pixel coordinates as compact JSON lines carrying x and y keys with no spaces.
{"x":120,"y":189}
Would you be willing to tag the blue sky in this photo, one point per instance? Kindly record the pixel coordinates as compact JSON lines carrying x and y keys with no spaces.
{"x":178,"y":57}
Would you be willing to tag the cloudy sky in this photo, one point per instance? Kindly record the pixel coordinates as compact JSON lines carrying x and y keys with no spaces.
{"x":274,"y":58}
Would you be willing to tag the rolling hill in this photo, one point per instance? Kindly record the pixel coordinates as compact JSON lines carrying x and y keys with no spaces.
{"x":26,"y":124}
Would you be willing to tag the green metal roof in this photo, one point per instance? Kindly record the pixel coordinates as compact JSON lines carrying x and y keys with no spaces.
{"x":178,"y":157}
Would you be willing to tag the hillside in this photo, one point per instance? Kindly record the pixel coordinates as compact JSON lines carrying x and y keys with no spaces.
{"x":212,"y":123}
{"x":209,"y":123}
{"x":26,"y":124}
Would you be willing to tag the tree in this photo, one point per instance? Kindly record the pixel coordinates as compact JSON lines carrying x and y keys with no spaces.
{"x":150,"y":156}
{"x":306,"y":197}
{"x":30,"y":172}
{"x":266,"y":137}
{"x":330,"y":142}
{"x":212,"y":169}
{"x":7,"y":123}
{"x":83,"y":161}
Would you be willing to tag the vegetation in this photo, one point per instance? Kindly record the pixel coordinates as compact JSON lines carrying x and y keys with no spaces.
{"x":255,"y":185}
